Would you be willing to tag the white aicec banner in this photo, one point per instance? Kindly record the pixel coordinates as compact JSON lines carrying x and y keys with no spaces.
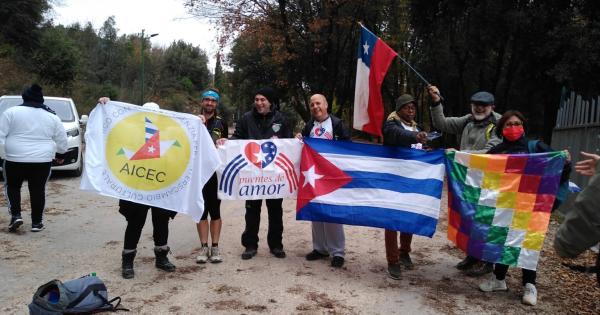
{"x":259,"y":169}
{"x":149,"y":156}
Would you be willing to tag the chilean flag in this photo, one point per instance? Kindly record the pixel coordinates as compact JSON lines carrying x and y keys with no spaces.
{"x":370,"y":185}
{"x":374,"y":59}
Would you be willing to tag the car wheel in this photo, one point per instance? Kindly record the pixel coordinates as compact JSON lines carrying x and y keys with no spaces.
{"x":77,"y":172}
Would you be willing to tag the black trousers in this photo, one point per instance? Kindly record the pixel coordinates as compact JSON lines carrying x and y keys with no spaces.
{"x":274,"y":235}
{"x":136,"y":213}
{"x":500,"y":271}
{"x":36,"y":175}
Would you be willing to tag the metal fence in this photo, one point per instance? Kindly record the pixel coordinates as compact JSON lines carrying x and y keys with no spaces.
{"x":577,"y":128}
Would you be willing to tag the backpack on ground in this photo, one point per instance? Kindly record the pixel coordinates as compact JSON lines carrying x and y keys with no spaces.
{"x":87,"y":294}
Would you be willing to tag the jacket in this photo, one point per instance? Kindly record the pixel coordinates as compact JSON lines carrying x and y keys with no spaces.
{"x":581,"y":227}
{"x":253,"y":125}
{"x":31,"y":135}
{"x":473,"y":136}
{"x":395,"y":134}
{"x":217,"y":127}
{"x":340,"y":132}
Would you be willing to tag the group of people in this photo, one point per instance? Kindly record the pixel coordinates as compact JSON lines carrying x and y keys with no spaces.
{"x":28,"y":150}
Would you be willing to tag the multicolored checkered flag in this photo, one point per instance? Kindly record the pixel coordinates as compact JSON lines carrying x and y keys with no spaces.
{"x":499,"y":205}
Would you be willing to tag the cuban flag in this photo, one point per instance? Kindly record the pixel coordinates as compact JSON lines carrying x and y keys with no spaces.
{"x":374,"y":59}
{"x":370,"y":185}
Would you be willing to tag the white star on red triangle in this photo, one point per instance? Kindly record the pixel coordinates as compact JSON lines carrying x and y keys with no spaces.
{"x":151,"y":149}
{"x":310,"y":176}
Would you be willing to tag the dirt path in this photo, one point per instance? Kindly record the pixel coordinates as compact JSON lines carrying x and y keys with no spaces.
{"x":84,"y":234}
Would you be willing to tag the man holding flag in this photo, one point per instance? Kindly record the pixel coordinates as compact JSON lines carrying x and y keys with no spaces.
{"x":374,"y":59}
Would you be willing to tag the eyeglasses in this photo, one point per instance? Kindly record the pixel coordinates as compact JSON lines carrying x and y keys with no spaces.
{"x":513,"y":124}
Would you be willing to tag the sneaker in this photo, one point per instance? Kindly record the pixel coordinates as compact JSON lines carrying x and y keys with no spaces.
{"x":278,"y":252}
{"x":394,"y":271}
{"x":337,"y":262}
{"x":466,"y":263}
{"x":36,"y":227}
{"x":203,"y":257}
{"x":406,"y":261}
{"x":493,"y":284}
{"x":215,"y":256}
{"x":480,"y":269}
{"x":15,"y":223}
{"x":529,"y":294}
{"x":315,"y":255}
{"x":248,"y":253}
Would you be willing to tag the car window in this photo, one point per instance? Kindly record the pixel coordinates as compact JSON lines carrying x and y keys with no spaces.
{"x":62,"y":108}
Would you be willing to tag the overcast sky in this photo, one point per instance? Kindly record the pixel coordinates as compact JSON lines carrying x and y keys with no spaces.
{"x":168,"y":18}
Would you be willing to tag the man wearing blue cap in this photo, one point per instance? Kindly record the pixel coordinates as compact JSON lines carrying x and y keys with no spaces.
{"x":217,"y":128}
{"x":475,"y":133}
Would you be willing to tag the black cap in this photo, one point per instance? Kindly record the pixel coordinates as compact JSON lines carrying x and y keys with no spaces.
{"x":270,"y":94}
{"x":33,"y":94}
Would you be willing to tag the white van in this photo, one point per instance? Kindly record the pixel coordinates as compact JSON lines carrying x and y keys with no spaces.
{"x":67,"y":112}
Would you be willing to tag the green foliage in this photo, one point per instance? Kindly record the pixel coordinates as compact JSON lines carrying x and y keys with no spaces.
{"x":57,"y":58}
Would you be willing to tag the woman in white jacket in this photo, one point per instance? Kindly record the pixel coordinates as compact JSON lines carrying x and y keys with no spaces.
{"x":30,"y":136}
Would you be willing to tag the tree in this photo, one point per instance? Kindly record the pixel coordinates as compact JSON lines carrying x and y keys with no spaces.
{"x":20,"y":21}
{"x":56,"y":59}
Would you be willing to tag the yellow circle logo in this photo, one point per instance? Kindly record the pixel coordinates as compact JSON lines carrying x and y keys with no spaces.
{"x":146,"y":151}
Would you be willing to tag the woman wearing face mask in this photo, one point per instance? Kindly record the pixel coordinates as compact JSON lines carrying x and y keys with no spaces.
{"x":512,"y":130}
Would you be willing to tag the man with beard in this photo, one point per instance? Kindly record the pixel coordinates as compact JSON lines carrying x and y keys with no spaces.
{"x":475,"y":133}
{"x":217,"y":128}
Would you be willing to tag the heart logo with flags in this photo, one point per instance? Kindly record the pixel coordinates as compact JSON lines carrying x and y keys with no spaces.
{"x":260,"y":155}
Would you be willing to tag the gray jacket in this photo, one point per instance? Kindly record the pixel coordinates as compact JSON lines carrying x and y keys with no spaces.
{"x":581,"y":228}
{"x":473,"y":136}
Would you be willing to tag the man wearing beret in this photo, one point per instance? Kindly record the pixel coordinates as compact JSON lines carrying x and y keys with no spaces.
{"x":475,"y":133}
{"x":400,"y":129}
{"x":264,"y":121}
{"x":217,"y":128}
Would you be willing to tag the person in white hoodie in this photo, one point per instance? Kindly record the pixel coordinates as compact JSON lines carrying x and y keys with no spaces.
{"x":31,"y":135}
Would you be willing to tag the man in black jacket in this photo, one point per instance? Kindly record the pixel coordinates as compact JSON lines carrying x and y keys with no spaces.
{"x":264,"y":121}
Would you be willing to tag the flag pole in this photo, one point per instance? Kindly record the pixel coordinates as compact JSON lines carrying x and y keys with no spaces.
{"x":419,"y":75}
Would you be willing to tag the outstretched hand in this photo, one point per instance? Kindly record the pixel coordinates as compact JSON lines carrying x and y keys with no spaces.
{"x":587,"y":167}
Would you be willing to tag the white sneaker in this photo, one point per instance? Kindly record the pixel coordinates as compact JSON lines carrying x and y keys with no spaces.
{"x":493,"y":284}
{"x":529,"y":294}
{"x":215,"y":256}
{"x":203,"y":257}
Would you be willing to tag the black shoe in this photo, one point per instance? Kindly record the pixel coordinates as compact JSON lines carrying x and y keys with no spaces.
{"x":406,"y":261}
{"x":337,"y":262}
{"x":395,"y":271}
{"x":248,"y":253}
{"x":314,"y":255}
{"x":481,"y":269}
{"x":37,"y":227}
{"x":278,"y":252}
{"x":467,"y":263}
{"x":162,"y":262}
{"x":15,"y":222}
{"x":127,"y":264}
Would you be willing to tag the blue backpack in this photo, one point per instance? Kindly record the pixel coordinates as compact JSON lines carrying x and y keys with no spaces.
{"x":563,"y":189}
{"x":87,"y":294}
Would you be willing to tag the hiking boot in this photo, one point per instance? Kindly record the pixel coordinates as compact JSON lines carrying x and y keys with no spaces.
{"x":337,"y":262}
{"x":493,"y":284}
{"x":127,"y":264}
{"x":406,"y":261}
{"x":248,"y":253}
{"x":481,"y":269}
{"x":215,"y":255}
{"x":162,"y":262}
{"x":36,"y":227}
{"x":278,"y":252}
{"x":466,"y":263}
{"x":529,"y":294}
{"x":314,"y":255}
{"x":203,"y":257}
{"x":395,"y":271}
{"x":15,"y":223}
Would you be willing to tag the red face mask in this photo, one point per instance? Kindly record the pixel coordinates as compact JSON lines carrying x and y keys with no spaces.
{"x":513,"y":133}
